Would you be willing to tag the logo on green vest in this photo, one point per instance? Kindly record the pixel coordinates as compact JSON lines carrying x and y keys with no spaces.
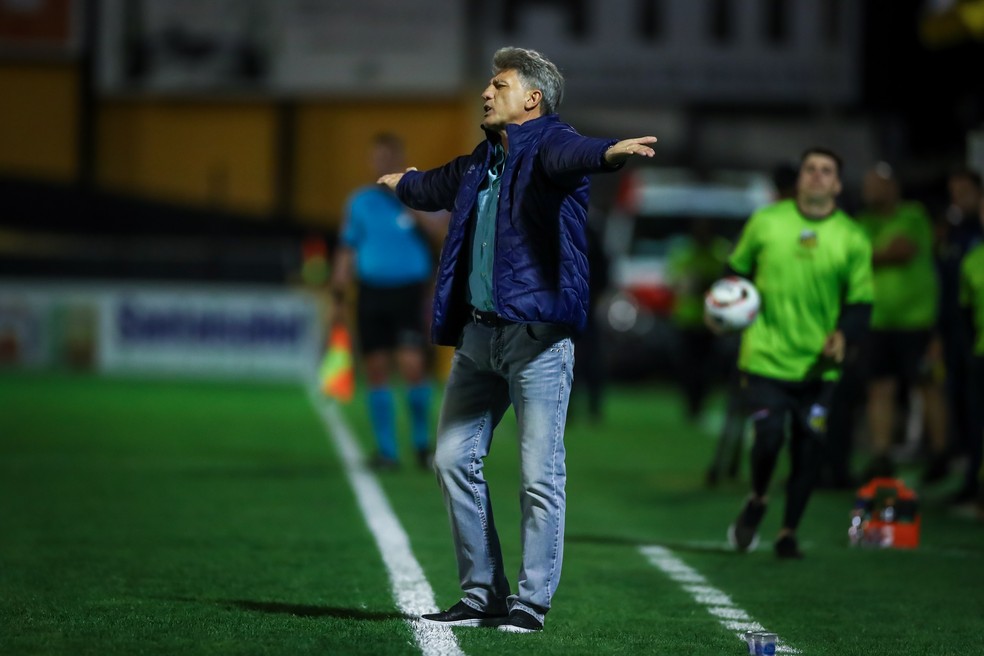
{"x":808,"y":238}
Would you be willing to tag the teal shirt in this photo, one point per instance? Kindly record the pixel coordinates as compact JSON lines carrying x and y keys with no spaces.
{"x":483,"y":242}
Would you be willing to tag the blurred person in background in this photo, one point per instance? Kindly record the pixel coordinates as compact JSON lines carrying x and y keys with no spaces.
{"x":693,"y":264}
{"x":812,"y":266}
{"x":728,"y":451}
{"x":902,"y":320}
{"x":971,"y":298}
{"x":388,"y":248}
{"x":957,"y":232}
{"x":511,"y":292}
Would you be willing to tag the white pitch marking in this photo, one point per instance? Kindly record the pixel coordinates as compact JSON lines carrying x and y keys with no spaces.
{"x":705,"y":594}
{"x":728,"y":613}
{"x":715,"y":601}
{"x":414,"y":595}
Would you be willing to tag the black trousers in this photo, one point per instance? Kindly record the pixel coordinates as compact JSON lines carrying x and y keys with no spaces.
{"x":799,"y":409}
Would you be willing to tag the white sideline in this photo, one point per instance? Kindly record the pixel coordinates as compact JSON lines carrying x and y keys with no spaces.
{"x":414,"y":595}
{"x":716,"y":602}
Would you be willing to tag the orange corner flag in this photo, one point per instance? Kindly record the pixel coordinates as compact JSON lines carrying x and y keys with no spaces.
{"x":337,"y":373}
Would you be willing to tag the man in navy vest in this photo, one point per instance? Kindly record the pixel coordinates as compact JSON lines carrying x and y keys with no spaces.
{"x":511,"y":292}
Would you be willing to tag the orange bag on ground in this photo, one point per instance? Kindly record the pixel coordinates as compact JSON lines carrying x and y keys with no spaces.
{"x":886,"y":514}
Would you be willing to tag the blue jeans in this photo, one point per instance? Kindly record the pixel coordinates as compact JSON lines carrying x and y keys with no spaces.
{"x":530,"y":366}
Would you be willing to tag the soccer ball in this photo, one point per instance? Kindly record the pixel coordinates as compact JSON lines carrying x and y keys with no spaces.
{"x":732,"y":303}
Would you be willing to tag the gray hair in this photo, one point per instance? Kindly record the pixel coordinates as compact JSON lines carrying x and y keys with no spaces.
{"x":535,"y":72}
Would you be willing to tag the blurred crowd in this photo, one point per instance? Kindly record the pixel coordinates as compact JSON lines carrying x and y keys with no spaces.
{"x":909,"y":396}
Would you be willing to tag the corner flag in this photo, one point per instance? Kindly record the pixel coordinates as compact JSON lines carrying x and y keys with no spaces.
{"x":337,"y":373}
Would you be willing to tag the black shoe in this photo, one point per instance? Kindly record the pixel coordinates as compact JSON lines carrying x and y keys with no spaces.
{"x":521,"y":622}
{"x":382,"y":463}
{"x":743,"y":534}
{"x":786,"y":547}
{"x":461,"y":614}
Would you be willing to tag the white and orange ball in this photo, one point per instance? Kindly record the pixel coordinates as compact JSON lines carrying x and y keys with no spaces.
{"x":732,"y":303}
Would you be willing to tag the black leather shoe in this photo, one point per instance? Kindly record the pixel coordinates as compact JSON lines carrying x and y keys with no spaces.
{"x":461,"y":614}
{"x":521,"y":622}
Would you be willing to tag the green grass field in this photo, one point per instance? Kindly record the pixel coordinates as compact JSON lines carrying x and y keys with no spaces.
{"x":157,"y":517}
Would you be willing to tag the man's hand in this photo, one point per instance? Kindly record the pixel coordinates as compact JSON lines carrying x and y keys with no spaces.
{"x":626,"y":148}
{"x":833,"y":346}
{"x":393,"y":179}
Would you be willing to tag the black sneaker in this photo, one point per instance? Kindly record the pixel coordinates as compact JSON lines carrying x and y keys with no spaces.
{"x":743,"y":534}
{"x":521,"y":622}
{"x":461,"y":614}
{"x":787,"y":547}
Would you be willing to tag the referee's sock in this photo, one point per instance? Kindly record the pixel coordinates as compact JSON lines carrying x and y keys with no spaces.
{"x":383,"y":417}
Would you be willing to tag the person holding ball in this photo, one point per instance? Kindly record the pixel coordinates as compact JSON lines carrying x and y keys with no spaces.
{"x":812,"y":266}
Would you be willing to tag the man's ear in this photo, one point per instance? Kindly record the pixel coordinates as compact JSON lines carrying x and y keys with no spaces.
{"x":533,"y":99}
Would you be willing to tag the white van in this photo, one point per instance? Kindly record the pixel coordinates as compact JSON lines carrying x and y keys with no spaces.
{"x":654,"y":208}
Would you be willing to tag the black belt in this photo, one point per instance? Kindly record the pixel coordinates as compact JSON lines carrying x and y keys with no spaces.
{"x":489,"y":318}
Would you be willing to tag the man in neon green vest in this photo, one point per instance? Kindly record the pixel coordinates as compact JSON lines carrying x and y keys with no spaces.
{"x":812,"y":265}
{"x":902,"y":319}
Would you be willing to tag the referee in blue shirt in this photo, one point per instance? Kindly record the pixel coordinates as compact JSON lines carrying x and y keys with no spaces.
{"x":388,"y":247}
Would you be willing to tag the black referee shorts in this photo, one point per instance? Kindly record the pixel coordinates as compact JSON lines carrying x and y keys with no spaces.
{"x":392,"y":317}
